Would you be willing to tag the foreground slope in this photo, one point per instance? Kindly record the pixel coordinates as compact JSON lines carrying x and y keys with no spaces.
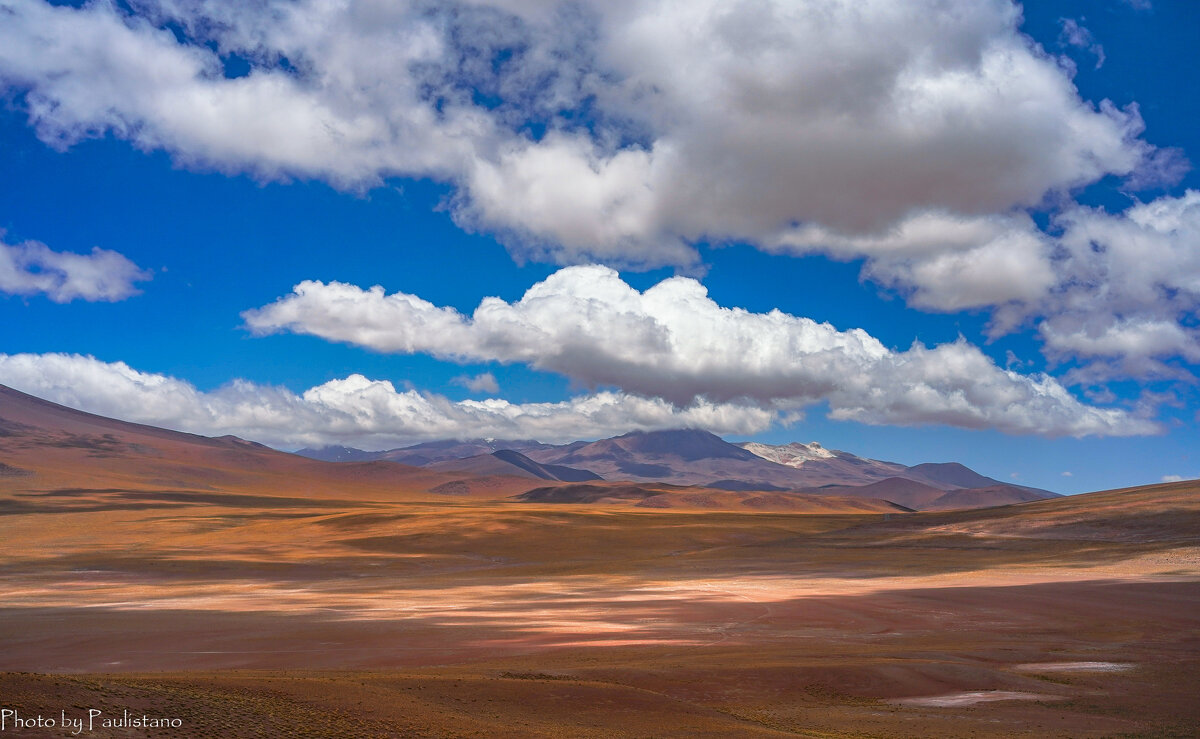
{"x":1162,"y":515}
{"x":1065,"y":617}
{"x":243,"y":610}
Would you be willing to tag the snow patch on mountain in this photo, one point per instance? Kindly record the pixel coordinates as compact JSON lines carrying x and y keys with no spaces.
{"x":794,"y":454}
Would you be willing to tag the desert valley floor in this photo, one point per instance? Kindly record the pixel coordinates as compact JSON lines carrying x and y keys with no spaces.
{"x":273,"y":601}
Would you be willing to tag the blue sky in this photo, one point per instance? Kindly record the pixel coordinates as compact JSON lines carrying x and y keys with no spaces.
{"x":1007,"y":189}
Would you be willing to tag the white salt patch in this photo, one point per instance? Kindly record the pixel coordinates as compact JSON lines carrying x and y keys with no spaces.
{"x":951,"y":700}
{"x":1074,"y":667}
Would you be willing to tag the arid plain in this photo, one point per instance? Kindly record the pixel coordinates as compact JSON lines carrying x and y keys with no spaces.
{"x":248,"y":592}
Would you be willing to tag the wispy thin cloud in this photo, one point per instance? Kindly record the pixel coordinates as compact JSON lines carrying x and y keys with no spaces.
{"x":32,"y":268}
{"x":481,"y":383}
{"x":1076,"y":35}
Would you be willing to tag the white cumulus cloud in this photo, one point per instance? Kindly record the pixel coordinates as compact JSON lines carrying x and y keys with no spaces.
{"x":674,"y":342}
{"x":944,"y":262}
{"x":1127,"y":288}
{"x":31,"y":268}
{"x":588,"y":130}
{"x":1117,"y":292}
{"x":355,"y":410}
{"x":916,"y":136}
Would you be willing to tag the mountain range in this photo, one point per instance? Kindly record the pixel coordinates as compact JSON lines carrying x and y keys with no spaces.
{"x":691,"y":457}
{"x":48,"y":449}
{"x":54,"y":458}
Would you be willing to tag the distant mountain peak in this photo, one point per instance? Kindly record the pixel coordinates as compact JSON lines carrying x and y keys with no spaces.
{"x":230,"y":438}
{"x":687,"y":444}
{"x":336,"y":453}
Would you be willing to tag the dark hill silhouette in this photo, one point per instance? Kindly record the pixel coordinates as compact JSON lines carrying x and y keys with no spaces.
{"x":509,"y":462}
{"x":950,"y":474}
